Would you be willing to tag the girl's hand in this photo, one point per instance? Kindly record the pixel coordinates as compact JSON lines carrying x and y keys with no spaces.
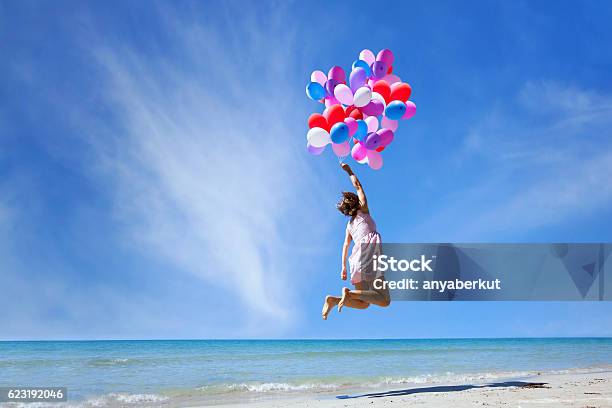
{"x":346,"y":168}
{"x":343,"y":274}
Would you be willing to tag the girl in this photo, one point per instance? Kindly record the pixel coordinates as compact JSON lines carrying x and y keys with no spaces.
{"x":362,"y":230}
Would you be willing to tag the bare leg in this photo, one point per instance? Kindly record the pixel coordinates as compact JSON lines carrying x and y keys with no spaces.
{"x":350,"y":301}
{"x":330,"y":302}
{"x":371,"y":296}
{"x":364,"y":294}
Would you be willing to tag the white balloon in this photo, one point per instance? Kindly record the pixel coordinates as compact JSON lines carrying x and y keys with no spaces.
{"x":367,"y":56}
{"x":343,"y":94}
{"x":318,"y":76}
{"x":318,"y":137}
{"x":372,"y":122}
{"x":362,"y":97}
{"x":376,"y":95}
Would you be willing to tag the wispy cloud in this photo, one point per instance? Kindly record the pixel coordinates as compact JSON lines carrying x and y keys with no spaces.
{"x":203,"y":159}
{"x":544,"y":156}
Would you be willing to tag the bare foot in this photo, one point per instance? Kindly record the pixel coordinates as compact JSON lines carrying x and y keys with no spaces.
{"x":327,"y":306}
{"x":345,"y":293}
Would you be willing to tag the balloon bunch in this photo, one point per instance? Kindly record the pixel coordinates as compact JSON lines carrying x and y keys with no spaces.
{"x":366,"y":111}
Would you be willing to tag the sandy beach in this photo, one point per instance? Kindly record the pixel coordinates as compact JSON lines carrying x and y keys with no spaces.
{"x":584,"y":390}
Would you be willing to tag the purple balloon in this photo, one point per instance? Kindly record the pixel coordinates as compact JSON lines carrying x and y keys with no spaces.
{"x":372,"y":141}
{"x":314,"y":150}
{"x":358,"y":78}
{"x":386,"y":136}
{"x":379,"y":69}
{"x":330,"y":85}
{"x":337,"y":73}
{"x":374,"y":108}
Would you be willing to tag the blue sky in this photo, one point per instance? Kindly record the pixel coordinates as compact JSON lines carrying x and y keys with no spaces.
{"x":155,"y":182}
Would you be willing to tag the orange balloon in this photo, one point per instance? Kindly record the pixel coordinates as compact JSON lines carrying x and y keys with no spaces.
{"x":380,"y":149}
{"x":400,"y":91}
{"x":334,"y":114}
{"x":383,"y":88}
{"x":390,"y":70}
{"x":317,"y":120}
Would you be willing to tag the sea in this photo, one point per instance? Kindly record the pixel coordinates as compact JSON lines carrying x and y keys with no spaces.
{"x":170,"y":373}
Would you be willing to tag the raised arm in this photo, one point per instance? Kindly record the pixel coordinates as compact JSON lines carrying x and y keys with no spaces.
{"x":363,"y":201}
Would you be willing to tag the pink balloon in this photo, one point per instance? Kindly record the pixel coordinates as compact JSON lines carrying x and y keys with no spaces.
{"x":341,"y":149}
{"x":374,"y":108}
{"x":330,"y":101}
{"x":318,"y":76}
{"x":337,"y":73}
{"x":367,"y":56}
{"x":375,"y":160}
{"x":410,"y":110}
{"x":352,"y":125}
{"x":385,"y":56}
{"x":389,"y":124}
{"x":372,"y":123}
{"x":359,"y":152}
{"x":392,"y":78}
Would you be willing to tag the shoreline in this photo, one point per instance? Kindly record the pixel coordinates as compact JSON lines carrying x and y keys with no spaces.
{"x":590,"y":388}
{"x":578,"y":387}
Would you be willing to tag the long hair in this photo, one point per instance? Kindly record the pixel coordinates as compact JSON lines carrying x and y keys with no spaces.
{"x":348,"y":204}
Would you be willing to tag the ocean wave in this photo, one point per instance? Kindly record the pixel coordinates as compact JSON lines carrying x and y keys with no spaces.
{"x":266,"y":387}
{"x":120,"y":400}
{"x":109,"y":361}
{"x":364,"y":382}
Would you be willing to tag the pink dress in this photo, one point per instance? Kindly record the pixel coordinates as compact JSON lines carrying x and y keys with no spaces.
{"x":367,"y":244}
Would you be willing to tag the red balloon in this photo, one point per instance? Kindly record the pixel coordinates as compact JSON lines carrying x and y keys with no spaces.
{"x":383,"y":88}
{"x":380,"y":149}
{"x":318,"y":120}
{"x":334,"y":114}
{"x":390,"y":70}
{"x":356,"y":114}
{"x":400,"y":91}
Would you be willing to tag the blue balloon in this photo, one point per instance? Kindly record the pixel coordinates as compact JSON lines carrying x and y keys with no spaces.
{"x":364,"y":65}
{"x":339,"y":133}
{"x":395,"y":110}
{"x":362,"y":130}
{"x":315,"y":91}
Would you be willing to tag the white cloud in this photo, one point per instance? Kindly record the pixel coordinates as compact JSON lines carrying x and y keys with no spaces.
{"x":204,"y":162}
{"x":544,"y":157}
